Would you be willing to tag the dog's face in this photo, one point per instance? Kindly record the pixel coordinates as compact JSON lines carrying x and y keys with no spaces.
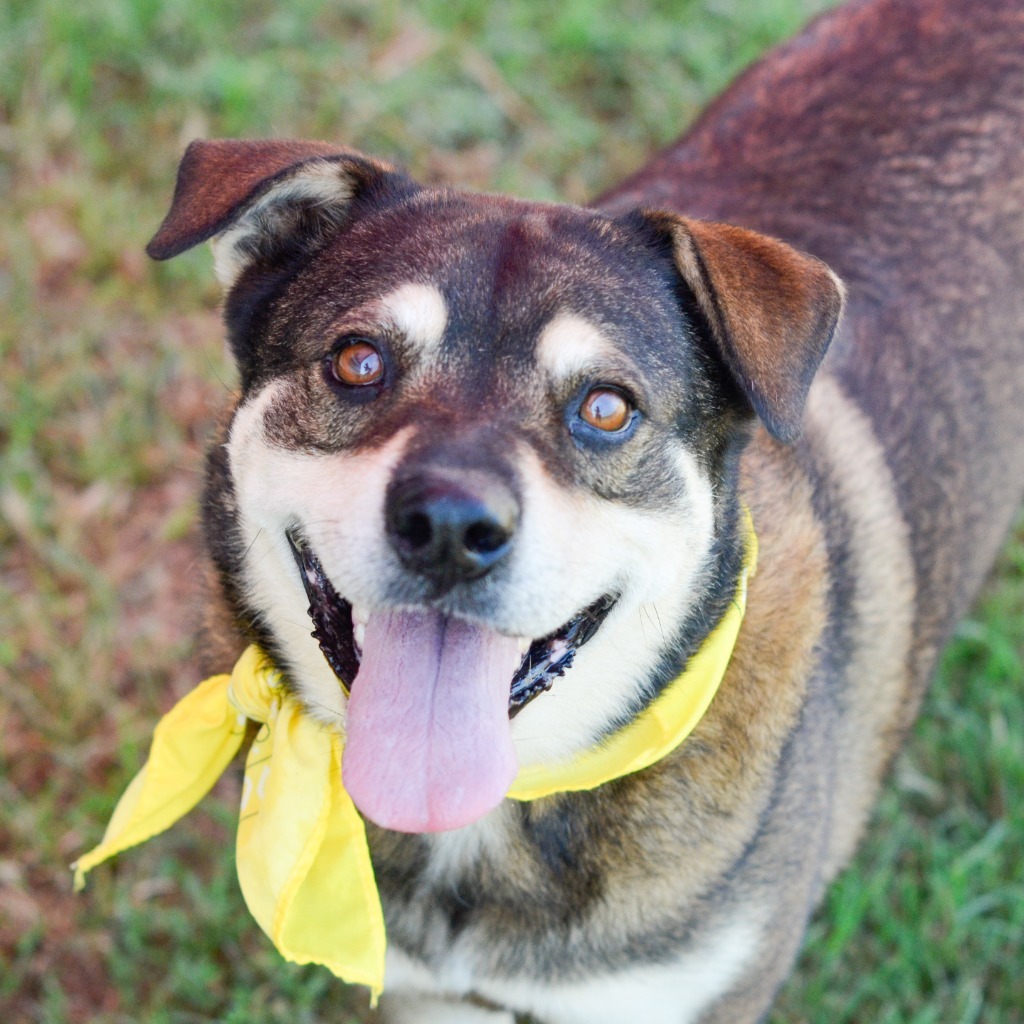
{"x":488,"y":444}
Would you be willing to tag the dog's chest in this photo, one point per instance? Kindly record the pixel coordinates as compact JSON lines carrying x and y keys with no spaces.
{"x":492,"y":895}
{"x":468,"y":928}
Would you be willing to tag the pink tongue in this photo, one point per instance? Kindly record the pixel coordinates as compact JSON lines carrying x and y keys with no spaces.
{"x":428,"y":745}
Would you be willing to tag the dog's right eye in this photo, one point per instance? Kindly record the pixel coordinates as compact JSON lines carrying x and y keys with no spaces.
{"x":357,"y":363}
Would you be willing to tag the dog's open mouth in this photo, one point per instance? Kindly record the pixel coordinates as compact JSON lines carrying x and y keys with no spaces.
{"x":335,"y":630}
{"x":428,"y":746}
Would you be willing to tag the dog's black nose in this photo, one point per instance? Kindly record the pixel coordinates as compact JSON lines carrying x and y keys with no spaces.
{"x":451,"y":527}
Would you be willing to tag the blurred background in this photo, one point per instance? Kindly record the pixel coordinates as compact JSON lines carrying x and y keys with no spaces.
{"x":112,"y":371}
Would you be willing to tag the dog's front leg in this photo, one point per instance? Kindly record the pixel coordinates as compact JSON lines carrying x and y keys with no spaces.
{"x":422,"y":1009}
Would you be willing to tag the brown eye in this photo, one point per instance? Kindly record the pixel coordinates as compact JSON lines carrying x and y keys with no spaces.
{"x":357,"y":364}
{"x":606,"y":410}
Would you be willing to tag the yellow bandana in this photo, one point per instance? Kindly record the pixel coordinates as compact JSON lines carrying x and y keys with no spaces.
{"x":303,"y":861}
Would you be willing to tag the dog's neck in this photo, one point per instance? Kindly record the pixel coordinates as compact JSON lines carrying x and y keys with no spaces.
{"x":720,"y":577}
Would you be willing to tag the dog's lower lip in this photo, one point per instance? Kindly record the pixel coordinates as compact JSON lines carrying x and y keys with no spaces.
{"x":330,"y":613}
{"x":551,"y":656}
{"x":338,"y":635}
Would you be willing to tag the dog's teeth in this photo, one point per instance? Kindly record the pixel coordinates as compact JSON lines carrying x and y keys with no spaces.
{"x":360,"y":616}
{"x":524,"y":644}
{"x":359,"y":635}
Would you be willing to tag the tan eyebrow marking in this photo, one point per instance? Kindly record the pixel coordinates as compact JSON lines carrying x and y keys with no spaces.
{"x":418,"y":312}
{"x":569,"y":343}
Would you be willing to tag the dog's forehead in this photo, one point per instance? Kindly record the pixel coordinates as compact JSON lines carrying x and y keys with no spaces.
{"x":491,"y":272}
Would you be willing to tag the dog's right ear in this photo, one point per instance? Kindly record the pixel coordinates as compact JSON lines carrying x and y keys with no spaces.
{"x":262,"y":200}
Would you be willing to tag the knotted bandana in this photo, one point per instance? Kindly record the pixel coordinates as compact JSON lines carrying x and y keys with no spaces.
{"x":303,"y":861}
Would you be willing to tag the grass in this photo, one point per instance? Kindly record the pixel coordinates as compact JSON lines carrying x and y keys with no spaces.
{"x":112,"y":370}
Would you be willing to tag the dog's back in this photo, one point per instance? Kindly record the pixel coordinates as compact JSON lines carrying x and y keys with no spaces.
{"x":888,"y":140}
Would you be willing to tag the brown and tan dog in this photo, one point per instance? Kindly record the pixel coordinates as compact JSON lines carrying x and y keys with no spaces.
{"x":508,"y":444}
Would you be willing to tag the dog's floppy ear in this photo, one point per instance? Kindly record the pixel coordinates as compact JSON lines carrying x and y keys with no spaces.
{"x":256,"y":199}
{"x":771,"y":311}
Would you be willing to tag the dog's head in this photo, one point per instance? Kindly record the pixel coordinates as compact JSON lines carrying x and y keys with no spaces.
{"x":487,"y":442}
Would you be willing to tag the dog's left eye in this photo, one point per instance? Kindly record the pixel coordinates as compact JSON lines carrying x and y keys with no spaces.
{"x":357,"y":364}
{"x":606,"y":410}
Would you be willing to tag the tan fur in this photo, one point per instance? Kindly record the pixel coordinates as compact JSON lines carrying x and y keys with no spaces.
{"x":879,"y":673}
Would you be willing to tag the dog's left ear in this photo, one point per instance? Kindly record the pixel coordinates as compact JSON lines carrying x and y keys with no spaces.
{"x":263,"y":200}
{"x":771,"y":311}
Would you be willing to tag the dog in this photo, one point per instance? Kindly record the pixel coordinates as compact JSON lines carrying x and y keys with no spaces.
{"x":505,"y":451}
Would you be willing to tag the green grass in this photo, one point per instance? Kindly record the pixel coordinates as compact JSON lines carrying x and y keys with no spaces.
{"x":112,"y":370}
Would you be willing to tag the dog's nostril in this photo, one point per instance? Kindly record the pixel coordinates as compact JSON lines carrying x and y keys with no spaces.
{"x":415,"y":530}
{"x":485,"y":538}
